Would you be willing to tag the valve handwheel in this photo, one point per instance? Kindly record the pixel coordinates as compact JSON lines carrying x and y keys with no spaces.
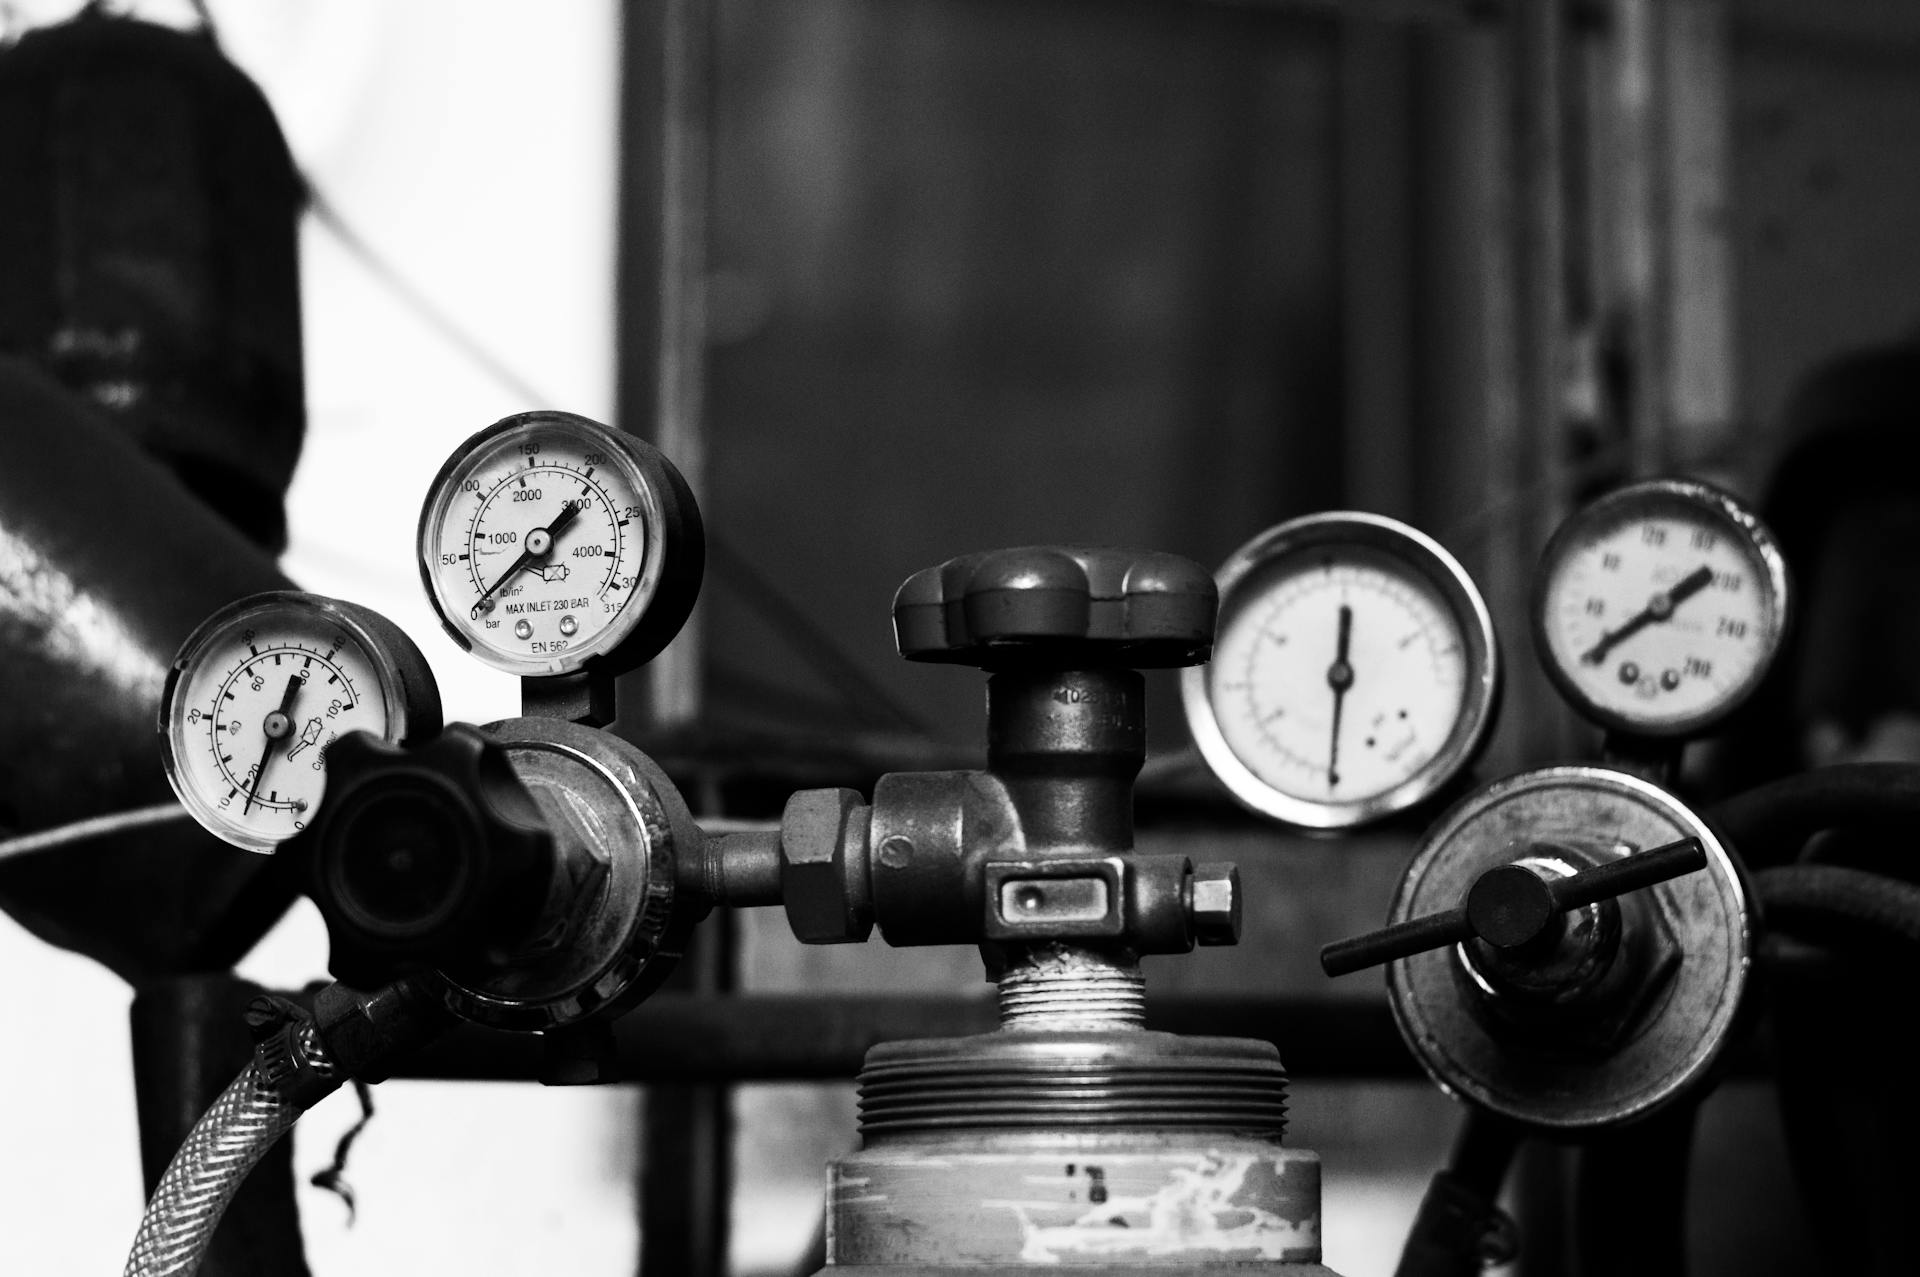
{"x":1068,"y":607}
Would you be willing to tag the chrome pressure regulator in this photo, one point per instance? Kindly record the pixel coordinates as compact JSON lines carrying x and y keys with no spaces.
{"x":541,"y":874}
{"x":1569,"y":947}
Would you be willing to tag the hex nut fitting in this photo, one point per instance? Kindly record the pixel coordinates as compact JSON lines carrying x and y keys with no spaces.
{"x":824,"y":878}
{"x":1213,"y":904}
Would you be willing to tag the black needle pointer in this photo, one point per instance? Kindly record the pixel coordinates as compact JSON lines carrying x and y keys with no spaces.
{"x":1339,"y":678}
{"x":538,"y":542}
{"x":1658,"y":608}
{"x":276,"y":725}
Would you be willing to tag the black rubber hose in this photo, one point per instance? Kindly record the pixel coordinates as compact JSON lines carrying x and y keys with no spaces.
{"x":1769,"y":824}
{"x":1848,"y":910}
{"x":1847,"y":1102}
{"x":1460,"y":1229}
{"x":1639,"y":1173}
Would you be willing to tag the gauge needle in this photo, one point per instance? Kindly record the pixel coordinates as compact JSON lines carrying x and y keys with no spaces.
{"x":1339,"y":678}
{"x":1658,"y":608}
{"x":276,"y":725}
{"x":538,"y":542}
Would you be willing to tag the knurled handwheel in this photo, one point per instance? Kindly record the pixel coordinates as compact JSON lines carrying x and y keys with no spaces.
{"x":1069,"y":606}
{"x":422,"y":856}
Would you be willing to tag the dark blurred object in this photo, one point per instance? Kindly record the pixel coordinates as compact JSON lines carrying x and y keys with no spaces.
{"x":149,"y":217}
{"x":151,"y":404}
{"x":1844,"y":503}
{"x":1846,"y":1098}
{"x":106,"y":564}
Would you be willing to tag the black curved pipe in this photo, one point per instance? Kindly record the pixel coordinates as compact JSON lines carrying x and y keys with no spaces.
{"x":1460,"y":1228}
{"x":1772,"y":822}
{"x":1638,"y":1173}
{"x":1845,"y":1095}
{"x":1841,"y":908}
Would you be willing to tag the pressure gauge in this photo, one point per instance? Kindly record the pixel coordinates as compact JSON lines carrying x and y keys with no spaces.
{"x":260,"y":691}
{"x":1659,"y":608}
{"x":1354,"y":671}
{"x":550,"y":543}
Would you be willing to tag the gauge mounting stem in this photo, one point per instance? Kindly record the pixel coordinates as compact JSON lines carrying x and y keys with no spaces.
{"x":588,"y":697}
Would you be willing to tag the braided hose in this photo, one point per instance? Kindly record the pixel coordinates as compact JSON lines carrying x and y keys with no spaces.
{"x":223,"y":1147}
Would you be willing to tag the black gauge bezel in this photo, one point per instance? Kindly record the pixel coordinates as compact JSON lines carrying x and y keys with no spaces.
{"x":673,"y":556}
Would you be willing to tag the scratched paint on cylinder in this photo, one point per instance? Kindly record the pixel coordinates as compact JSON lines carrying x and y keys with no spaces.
{"x":1232,"y":1201}
{"x":1210,"y":1207}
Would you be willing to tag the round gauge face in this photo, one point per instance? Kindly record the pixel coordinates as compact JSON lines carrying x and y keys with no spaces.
{"x":1353,"y":672}
{"x":1659,"y":607}
{"x":261,"y":690}
{"x":546,"y":537}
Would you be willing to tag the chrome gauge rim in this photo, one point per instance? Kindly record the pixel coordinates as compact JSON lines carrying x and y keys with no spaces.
{"x":1712,"y":602}
{"x":1234,"y":705}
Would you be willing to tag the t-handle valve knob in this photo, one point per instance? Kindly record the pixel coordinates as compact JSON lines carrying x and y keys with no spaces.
{"x":1510,"y":905}
{"x":423,"y":857}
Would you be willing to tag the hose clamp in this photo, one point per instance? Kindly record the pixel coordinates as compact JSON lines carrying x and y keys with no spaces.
{"x":289,"y":1053}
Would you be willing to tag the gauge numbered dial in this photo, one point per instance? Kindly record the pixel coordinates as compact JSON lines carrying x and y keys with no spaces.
{"x":1659,"y":608}
{"x":550,"y":543}
{"x":260,"y":691}
{"x":1354,"y":671}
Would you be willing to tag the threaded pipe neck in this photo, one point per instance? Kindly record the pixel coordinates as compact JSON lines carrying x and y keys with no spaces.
{"x":1065,"y":989}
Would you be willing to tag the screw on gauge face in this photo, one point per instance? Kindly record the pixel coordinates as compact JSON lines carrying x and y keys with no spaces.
{"x":259,"y":692}
{"x":1659,"y":607}
{"x":1354,"y":671}
{"x":549,"y":543}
